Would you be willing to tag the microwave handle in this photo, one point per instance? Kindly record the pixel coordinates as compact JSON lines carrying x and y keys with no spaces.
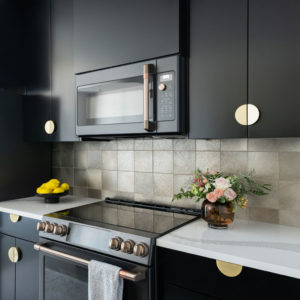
{"x":148,"y":125}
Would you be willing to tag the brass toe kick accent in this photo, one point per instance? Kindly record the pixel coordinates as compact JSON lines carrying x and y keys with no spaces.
{"x":14,"y":218}
{"x":247,"y":114}
{"x":14,"y":254}
{"x":229,"y":269}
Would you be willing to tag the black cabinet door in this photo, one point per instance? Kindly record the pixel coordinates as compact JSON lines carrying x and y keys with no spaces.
{"x":27,"y":272}
{"x":218,"y":67}
{"x":63,"y":77}
{"x":274,"y":66}
{"x":7,"y":269}
{"x":109,"y":33}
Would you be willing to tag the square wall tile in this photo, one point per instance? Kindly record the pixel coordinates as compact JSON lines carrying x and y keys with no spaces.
{"x":67,"y":159}
{"x":126,"y":144}
{"x":81,"y":159}
{"x":109,"y":160}
{"x":162,"y":144}
{"x":108,"y":145}
{"x":289,"y":166}
{"x":234,"y":162}
{"x":125,"y":160}
{"x":208,"y":145}
{"x":143,"y":144}
{"x":163,"y":161}
{"x":163,"y":184}
{"x":93,"y":193}
{"x":263,"y":145}
{"x":94,"y":146}
{"x":289,"y":144}
{"x":264,"y":164}
{"x":66,"y":175}
{"x":184,"y":162}
{"x":289,"y":218}
{"x":263,"y":215}
{"x":182,"y":181}
{"x":125,"y":181}
{"x":56,"y":158}
{"x":80,"y":191}
{"x":289,"y":198}
{"x":94,"y":179}
{"x":208,"y":161}
{"x":109,"y":180}
{"x":143,"y":183}
{"x":143,"y":161}
{"x":94,"y":159}
{"x":184,"y":144}
{"x":80,"y":177}
{"x":234,"y":145}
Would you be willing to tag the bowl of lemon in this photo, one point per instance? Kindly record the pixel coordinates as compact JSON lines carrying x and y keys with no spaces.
{"x":52,"y":190}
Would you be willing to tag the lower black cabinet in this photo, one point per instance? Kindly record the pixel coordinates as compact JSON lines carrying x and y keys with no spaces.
{"x":7,"y":269}
{"x":184,"y":276}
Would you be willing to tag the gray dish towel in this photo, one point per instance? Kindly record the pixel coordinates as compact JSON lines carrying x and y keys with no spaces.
{"x":104,"y":281}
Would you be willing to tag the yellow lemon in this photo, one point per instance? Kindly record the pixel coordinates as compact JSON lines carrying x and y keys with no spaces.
{"x":39,"y":189}
{"x":51,"y":185}
{"x":58,"y":190}
{"x":65,"y":186}
{"x":45,"y":191}
{"x":43,"y":186}
{"x":56,"y":181}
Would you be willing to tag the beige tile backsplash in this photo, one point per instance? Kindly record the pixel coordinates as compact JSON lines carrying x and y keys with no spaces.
{"x":154,"y":169}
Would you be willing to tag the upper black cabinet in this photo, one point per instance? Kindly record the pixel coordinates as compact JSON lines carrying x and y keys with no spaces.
{"x":218,"y":67}
{"x":274,"y":67}
{"x":110,"y":33}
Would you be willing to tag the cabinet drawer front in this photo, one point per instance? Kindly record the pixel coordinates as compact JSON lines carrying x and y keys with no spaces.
{"x":24,"y":228}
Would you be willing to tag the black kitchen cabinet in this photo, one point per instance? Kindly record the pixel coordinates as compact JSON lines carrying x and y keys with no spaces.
{"x":51,"y":88}
{"x":217,"y":68}
{"x":7,"y":269}
{"x":110,"y":33}
{"x":184,"y":276}
{"x":274,"y":67}
{"x":19,"y":280}
{"x":63,"y":75}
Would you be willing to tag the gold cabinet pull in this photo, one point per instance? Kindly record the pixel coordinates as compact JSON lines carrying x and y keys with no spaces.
{"x":247,"y":114}
{"x":229,"y":269}
{"x":14,"y":218}
{"x":49,"y":127}
{"x":14,"y":254}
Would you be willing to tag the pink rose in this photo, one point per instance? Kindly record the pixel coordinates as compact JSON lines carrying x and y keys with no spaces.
{"x":218,"y":193}
{"x":213,"y":172}
{"x":211,"y":197}
{"x":222,"y":183}
{"x":204,"y":180}
{"x":230,"y":194}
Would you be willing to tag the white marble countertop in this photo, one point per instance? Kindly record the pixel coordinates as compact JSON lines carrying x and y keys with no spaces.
{"x":268,"y":247}
{"x":35,"y":207}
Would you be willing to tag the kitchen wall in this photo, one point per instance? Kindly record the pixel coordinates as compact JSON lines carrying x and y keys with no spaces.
{"x":154,"y":169}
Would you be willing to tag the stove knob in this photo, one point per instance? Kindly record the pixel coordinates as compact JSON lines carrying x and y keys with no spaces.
{"x":40,"y":226}
{"x":49,"y":227}
{"x":141,"y":250}
{"x":127,"y":246}
{"x":115,"y":243}
{"x":60,"y":230}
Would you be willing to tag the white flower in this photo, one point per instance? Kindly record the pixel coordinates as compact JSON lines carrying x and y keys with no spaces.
{"x":222,"y":183}
{"x":230,"y":194}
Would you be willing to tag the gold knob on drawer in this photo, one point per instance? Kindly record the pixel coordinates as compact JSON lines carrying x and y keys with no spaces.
{"x":14,"y":218}
{"x":14,"y":254}
{"x":229,"y":269}
{"x":49,"y":127}
{"x":247,"y":114}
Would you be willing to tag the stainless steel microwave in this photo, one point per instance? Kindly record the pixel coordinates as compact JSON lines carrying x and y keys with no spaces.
{"x":141,"y":98}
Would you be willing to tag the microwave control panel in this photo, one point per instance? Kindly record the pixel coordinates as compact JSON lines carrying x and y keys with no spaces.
{"x":165,"y":96}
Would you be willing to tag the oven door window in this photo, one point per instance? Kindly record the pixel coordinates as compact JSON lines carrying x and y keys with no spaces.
{"x":64,"y":280}
{"x":113,"y":102}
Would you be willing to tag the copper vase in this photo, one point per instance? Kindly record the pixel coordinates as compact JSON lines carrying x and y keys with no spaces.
{"x":217,"y":215}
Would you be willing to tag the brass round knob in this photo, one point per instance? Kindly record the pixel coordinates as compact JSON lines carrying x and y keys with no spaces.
{"x":162,"y":87}
{"x":141,"y":250}
{"x":60,"y":230}
{"x":40,"y":226}
{"x":115,"y":243}
{"x":127,"y":246}
{"x":49,"y":227}
{"x":14,"y":254}
{"x":49,"y":127}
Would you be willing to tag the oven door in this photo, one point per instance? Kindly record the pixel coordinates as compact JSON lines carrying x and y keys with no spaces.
{"x":64,"y":274}
{"x":116,"y":101}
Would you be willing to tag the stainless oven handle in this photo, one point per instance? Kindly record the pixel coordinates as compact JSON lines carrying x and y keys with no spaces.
{"x":148,"y":125}
{"x":138,"y":276}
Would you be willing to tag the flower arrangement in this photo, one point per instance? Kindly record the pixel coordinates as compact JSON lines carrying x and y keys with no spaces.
{"x":216,"y":187}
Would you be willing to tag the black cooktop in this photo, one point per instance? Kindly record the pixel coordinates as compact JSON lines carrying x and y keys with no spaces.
{"x":133,"y":217}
